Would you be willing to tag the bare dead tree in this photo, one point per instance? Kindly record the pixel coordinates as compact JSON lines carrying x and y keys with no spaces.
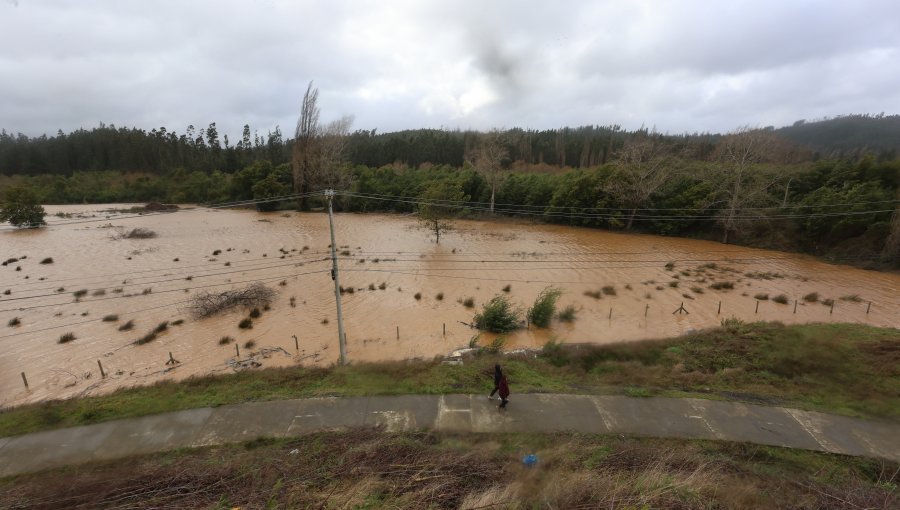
{"x":318,"y":154}
{"x":642,"y":167}
{"x":738,"y":180}
{"x":305,"y":151}
{"x":206,"y":304}
{"x":487,"y":158}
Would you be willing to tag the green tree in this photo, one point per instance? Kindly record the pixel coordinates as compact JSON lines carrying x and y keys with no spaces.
{"x":441,"y":202}
{"x":20,"y":207}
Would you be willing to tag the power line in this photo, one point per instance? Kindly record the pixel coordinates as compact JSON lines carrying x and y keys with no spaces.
{"x":281,"y":277}
{"x":625,"y":209}
{"x":625,"y":213}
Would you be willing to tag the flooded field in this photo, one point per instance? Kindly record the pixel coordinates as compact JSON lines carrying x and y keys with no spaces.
{"x":407,"y":300}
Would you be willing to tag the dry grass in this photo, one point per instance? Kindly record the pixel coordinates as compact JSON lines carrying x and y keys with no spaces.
{"x":128,"y":326}
{"x":368,"y":468}
{"x":66,"y":338}
{"x":206,"y":304}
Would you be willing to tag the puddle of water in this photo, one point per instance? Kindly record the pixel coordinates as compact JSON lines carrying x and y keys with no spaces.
{"x":476,"y":260}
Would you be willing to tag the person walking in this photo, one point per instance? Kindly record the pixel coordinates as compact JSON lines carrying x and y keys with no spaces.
{"x":498,"y":374}
{"x":504,"y":392}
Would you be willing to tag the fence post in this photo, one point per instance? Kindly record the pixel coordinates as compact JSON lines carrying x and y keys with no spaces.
{"x":398,"y":332}
{"x":102,"y":374}
{"x":296,"y":342}
{"x":869,"y":306}
{"x":795,"y":306}
{"x":610,"y":313}
{"x":757,"y":307}
{"x":831,"y":312}
{"x":24,"y":380}
{"x":646,"y":309}
{"x":237,"y":350}
{"x":720,"y":308}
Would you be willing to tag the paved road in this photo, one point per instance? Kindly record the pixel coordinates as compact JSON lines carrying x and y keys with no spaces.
{"x":659,"y":417}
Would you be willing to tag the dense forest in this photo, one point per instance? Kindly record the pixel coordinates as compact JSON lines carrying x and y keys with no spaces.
{"x":828,"y":187}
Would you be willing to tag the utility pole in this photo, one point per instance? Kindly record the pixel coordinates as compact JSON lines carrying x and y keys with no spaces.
{"x":329,"y":194}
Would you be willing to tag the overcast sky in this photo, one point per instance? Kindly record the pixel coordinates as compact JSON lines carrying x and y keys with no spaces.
{"x":710,"y":65}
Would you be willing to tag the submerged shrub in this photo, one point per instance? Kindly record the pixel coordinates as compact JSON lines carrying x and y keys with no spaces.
{"x":68,"y":337}
{"x":596,"y":294}
{"x":781,"y":298}
{"x":761,"y":297}
{"x":609,"y":290}
{"x":246,"y":323}
{"x":469,"y":302}
{"x":15,"y":321}
{"x":48,"y":260}
{"x":567,"y":314}
{"x":498,"y":316}
{"x":541,"y":312}
{"x":128,"y":326}
{"x":225,"y":340}
{"x":110,"y":318}
{"x":722,"y":285}
{"x":812,"y":297}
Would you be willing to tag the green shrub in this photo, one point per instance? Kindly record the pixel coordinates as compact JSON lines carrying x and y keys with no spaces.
{"x":496,"y":345}
{"x":567,"y":314}
{"x":498,"y":316}
{"x":544,"y":307}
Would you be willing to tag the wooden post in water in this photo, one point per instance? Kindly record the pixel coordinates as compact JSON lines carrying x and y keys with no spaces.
{"x":646,"y":309}
{"x":720,"y":308}
{"x":237,"y":350}
{"x":296,"y":342}
{"x":610,"y":313}
{"x":445,"y":329}
{"x":832,"y":308}
{"x":398,"y":332}
{"x":102,"y":374}
{"x":757,"y":307}
{"x":24,"y":380}
{"x":868,"y":307}
{"x":795,"y":306}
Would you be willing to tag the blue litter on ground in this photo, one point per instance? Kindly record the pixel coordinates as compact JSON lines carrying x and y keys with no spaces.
{"x":529,"y":460}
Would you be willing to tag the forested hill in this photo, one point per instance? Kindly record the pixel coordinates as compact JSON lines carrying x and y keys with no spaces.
{"x":849,"y":135}
{"x":160,"y":151}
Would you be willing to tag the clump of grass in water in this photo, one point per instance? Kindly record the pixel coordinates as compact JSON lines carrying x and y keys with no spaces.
{"x":852,"y":297}
{"x":828,"y":302}
{"x":609,"y":290}
{"x":496,"y":345}
{"x":293,"y":302}
{"x":246,"y":323}
{"x":781,"y":299}
{"x":225,"y":340}
{"x":761,"y":297}
{"x":178,"y":322}
{"x":673,"y":284}
{"x":128,"y":326}
{"x":596,"y":294}
{"x":439,"y":296}
{"x":722,"y":286}
{"x":99,"y":292}
{"x":249,"y":344}
{"x":110,"y":318}
{"x":812,"y":297}
{"x":507,"y":288}
{"x":498,"y":316}
{"x":670,"y":266}
{"x":696,"y":290}
{"x":418,"y":296}
{"x":325,"y":320}
{"x":541,"y":312}
{"x":80,"y":293}
{"x":371,"y":286}
{"x":255,"y":313}
{"x":15,"y":321}
{"x":382,"y":286}
{"x":468,"y":302}
{"x":48,"y":260}
{"x":567,"y":314}
{"x":68,"y":337}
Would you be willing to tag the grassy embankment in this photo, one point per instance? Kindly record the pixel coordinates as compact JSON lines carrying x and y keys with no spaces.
{"x":838,"y":368}
{"x":365,"y":468}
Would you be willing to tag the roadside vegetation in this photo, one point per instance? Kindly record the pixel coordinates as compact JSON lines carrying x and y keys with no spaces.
{"x":838,"y":368}
{"x":369,"y":468}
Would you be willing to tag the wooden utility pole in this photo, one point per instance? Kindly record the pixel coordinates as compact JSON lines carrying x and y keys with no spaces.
{"x":329,"y":194}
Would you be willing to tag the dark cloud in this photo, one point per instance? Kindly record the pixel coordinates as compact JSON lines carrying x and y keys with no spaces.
{"x":679,"y":66}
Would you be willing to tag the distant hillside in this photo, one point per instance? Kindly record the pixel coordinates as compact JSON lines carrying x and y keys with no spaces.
{"x":848,"y":135}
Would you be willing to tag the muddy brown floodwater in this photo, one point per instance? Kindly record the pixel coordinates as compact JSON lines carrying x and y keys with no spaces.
{"x":388,"y":261}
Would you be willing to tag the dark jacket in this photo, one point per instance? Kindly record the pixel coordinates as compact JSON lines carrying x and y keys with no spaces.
{"x":504,"y":388}
{"x":498,"y":374}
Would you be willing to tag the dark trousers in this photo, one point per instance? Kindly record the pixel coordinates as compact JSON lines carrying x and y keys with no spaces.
{"x":495,"y":390}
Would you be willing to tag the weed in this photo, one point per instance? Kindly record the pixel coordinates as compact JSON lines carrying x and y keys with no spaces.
{"x":418,"y":296}
{"x":178,"y":322}
{"x":255,"y":313}
{"x":99,"y":292}
{"x":567,"y":314}
{"x":15,"y":321}
{"x":345,"y":253}
{"x":68,"y":337}
{"x":216,"y":252}
{"x":852,"y":297}
{"x":473,"y":342}
{"x":541,"y":312}
{"x":225,"y":340}
{"x":48,"y":260}
{"x":162,"y":326}
{"x":469,"y":302}
{"x":596,"y":294}
{"x":117,"y":290}
{"x":8,"y":292}
{"x":507,"y":288}
{"x":80,"y":293}
{"x":371,"y":286}
{"x":670,"y":266}
{"x":382,"y":286}
{"x":110,"y":318}
{"x":293,"y":302}
{"x":146,"y":339}
{"x":246,"y":323}
{"x":325,"y":320}
{"x":761,"y":296}
{"x":128,"y":326}
{"x":722,"y":286}
{"x":496,"y":345}
{"x":828,"y":302}
{"x":439,"y":296}
{"x":781,"y":299}
{"x":628,"y":286}
{"x":696,"y":290}
{"x":148,"y":290}
{"x":283,"y":283}
{"x":609,"y":290}
{"x":249,"y":344}
{"x":673,"y":284}
{"x":812,"y":297}
{"x":687,"y":296}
